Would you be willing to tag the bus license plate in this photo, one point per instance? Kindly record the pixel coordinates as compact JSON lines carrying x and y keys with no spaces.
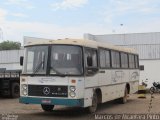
{"x":46,"y":101}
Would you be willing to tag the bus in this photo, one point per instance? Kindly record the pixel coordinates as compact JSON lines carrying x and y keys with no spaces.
{"x":77,"y":72}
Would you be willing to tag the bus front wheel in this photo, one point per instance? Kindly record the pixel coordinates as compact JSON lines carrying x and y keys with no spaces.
{"x":47,"y":108}
{"x":93,"y":108}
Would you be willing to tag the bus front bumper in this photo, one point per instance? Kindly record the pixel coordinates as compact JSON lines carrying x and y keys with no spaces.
{"x":52,"y":101}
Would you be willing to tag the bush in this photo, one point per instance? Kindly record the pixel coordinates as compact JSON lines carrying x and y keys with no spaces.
{"x":10,"y":45}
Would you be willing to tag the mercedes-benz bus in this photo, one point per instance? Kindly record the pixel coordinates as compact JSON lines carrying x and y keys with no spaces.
{"x":77,"y":72}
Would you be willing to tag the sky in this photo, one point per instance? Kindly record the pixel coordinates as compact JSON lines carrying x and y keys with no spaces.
{"x":57,"y":19}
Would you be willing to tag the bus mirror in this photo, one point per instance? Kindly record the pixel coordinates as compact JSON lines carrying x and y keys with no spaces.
{"x":21,"y":60}
{"x":141,"y":67}
{"x":89,"y":61}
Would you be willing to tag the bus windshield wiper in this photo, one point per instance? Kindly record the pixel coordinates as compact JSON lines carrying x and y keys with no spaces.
{"x":41,"y":64}
{"x":57,"y":72}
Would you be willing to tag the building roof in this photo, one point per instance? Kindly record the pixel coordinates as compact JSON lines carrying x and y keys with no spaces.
{"x":127,"y":38}
{"x":146,"y":44}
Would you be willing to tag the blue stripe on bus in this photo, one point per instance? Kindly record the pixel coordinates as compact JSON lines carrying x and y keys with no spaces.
{"x":52,"y":101}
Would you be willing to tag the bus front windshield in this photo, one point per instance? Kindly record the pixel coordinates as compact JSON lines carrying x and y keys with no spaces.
{"x":66,"y":60}
{"x":35,"y":60}
{"x":53,"y":60}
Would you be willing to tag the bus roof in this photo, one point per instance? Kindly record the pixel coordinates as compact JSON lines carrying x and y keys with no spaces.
{"x":30,"y":41}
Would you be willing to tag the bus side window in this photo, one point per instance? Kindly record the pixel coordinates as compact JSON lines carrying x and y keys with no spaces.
{"x":124,"y":60}
{"x":131,"y":61}
{"x":115,"y":59}
{"x":136,"y":61}
{"x":91,"y":57}
{"x":91,"y":61}
{"x":104,"y":58}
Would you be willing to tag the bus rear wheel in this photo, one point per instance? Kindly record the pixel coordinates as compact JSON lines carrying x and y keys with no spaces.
{"x":93,"y":108}
{"x":47,"y":108}
{"x":123,"y":99}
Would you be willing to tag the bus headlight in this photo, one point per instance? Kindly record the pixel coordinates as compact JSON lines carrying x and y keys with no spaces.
{"x":24,"y":86}
{"x":72,"y":88}
{"x":25,"y":92}
{"x":24,"y":89}
{"x":72,"y":94}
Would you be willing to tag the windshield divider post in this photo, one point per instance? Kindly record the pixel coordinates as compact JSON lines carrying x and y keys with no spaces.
{"x":49,"y":60}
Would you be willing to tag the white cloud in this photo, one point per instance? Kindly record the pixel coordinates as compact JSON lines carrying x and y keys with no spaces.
{"x":116,"y":8}
{"x":16,"y":30}
{"x":68,"y":4}
{"x":15,"y":1}
{"x":20,"y":15}
{"x":21,"y":3}
{"x":152,"y":25}
{"x":3,"y":14}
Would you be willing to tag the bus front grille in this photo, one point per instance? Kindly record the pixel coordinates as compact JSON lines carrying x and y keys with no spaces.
{"x":47,"y":91}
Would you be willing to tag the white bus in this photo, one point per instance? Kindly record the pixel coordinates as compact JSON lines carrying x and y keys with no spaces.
{"x":74,"y":72}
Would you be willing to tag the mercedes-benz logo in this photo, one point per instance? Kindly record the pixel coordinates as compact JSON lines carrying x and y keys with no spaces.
{"x":46,"y":90}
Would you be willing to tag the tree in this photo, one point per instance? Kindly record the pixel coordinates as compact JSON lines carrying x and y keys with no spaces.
{"x":10,"y":45}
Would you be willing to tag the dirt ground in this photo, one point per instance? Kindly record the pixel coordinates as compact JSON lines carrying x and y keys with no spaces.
{"x":12,"y":108}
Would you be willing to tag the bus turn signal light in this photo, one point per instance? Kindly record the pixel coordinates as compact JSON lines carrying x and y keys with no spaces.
{"x":73,"y":81}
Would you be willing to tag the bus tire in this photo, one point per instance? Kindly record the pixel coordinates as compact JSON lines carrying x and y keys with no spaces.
{"x":93,"y":108}
{"x":15,"y":90}
{"x":123,"y":99}
{"x":47,"y":108}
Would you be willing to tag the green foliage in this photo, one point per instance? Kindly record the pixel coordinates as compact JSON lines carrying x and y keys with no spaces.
{"x":10,"y":45}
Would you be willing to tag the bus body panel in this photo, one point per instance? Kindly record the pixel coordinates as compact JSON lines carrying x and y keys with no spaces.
{"x":88,"y":93}
{"x":112,"y":92}
{"x":112,"y":87}
{"x":104,"y":77}
{"x":54,"y":81}
{"x":48,"y":80}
